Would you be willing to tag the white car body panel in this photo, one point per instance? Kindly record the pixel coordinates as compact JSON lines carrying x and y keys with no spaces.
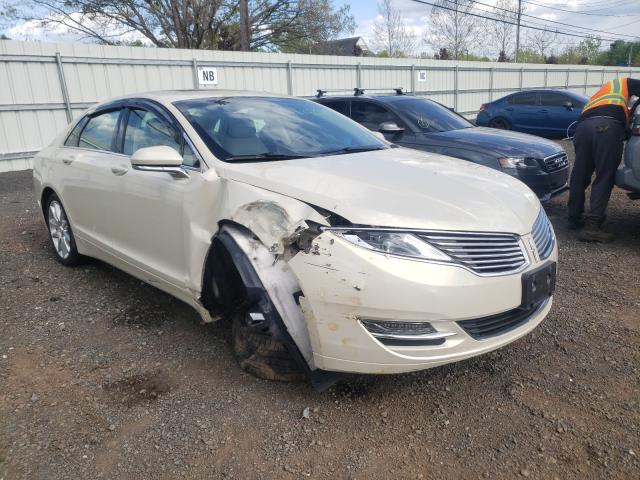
{"x":159,"y":229}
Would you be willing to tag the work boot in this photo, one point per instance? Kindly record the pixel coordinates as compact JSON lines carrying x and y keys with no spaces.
{"x":576,"y":223}
{"x":594,"y":232}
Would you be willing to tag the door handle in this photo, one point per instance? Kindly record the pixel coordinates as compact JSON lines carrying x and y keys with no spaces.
{"x":68,"y":160}
{"x":509,"y":108}
{"x":119,"y":171}
{"x":544,"y":111}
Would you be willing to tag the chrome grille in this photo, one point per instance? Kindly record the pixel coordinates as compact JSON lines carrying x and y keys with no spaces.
{"x":556,"y":162}
{"x":543,"y":235}
{"x":483,"y":253}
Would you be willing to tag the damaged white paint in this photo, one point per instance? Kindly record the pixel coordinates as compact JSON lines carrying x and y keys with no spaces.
{"x":271,"y":223}
{"x":281,"y":285}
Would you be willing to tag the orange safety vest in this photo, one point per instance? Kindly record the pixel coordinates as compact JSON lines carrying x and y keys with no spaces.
{"x":614,"y":92}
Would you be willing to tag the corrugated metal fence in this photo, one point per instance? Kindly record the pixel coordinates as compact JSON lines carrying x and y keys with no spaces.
{"x":44,"y":85}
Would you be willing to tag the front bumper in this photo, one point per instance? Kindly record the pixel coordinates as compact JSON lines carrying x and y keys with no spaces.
{"x":343,"y":284}
{"x":545,"y":185}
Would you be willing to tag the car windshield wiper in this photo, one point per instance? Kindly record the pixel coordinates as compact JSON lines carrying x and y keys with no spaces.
{"x":351,"y":150}
{"x":264,"y":156}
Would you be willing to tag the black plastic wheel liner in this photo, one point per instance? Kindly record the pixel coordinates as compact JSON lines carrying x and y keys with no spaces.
{"x":258,"y":298}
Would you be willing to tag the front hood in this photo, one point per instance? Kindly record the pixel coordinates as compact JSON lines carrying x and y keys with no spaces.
{"x":400,"y":188}
{"x":503,"y":143}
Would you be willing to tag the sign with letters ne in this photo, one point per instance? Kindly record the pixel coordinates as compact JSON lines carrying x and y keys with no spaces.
{"x":422,"y":75}
{"x":207,"y":76}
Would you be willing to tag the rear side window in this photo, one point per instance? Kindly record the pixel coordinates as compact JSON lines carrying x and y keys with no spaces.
{"x":74,"y":137}
{"x":550,"y":99}
{"x":99,"y":131}
{"x":340,"y":106}
{"x":371,"y":115}
{"x":522,"y":99}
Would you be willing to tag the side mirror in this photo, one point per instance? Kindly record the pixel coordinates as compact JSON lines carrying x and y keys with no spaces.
{"x":568,"y":105}
{"x":160,"y":158}
{"x":380,"y":136}
{"x":390,"y":127}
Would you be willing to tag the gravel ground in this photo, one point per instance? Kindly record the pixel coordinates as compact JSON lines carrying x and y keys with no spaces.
{"x":102,"y":376}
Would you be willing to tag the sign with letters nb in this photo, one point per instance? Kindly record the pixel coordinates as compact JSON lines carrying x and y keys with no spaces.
{"x":207,"y":76}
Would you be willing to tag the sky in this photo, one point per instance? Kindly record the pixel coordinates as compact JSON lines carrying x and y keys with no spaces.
{"x":621,"y":21}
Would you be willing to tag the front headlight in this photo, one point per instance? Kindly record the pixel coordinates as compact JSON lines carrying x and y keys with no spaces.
{"x":512,"y":162}
{"x":394,"y":243}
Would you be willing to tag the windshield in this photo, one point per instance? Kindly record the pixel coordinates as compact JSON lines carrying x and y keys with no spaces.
{"x":252,"y":128}
{"x":430,"y":116}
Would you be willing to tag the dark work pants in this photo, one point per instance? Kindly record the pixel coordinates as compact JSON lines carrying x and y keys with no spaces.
{"x":598,"y":143}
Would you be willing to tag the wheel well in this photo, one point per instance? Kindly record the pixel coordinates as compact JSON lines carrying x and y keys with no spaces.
{"x":46,"y":193}
{"x":222,"y":287}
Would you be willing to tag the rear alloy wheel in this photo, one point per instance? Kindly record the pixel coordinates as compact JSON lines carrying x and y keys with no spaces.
{"x":60,"y":232}
{"x":499,"y":123}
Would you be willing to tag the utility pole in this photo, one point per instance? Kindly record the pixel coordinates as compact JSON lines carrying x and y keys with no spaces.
{"x":518,"y":30}
{"x":630,"y":54}
{"x":244,"y":25}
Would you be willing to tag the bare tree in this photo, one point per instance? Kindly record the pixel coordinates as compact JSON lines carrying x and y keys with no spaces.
{"x":452,"y":28}
{"x":541,"y":42}
{"x":390,"y":32}
{"x":503,"y":31}
{"x":204,"y":24}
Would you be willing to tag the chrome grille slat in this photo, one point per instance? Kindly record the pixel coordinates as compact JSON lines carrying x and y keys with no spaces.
{"x":485,"y":250}
{"x":543,"y":235}
{"x":473,"y":244}
{"x":484,"y":253}
{"x":489,"y":255}
{"x":494,"y":261}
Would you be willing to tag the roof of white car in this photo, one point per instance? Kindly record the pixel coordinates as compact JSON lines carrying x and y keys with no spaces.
{"x":168,"y":96}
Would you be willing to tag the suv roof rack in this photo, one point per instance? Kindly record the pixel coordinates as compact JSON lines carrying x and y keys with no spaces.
{"x":357,"y":91}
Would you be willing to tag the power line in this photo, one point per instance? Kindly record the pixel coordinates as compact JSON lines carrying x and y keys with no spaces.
{"x":549,"y":21}
{"x":424,"y":2}
{"x":588,"y":12}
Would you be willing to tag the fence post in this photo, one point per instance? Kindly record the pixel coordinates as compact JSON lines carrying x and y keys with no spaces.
{"x":586,"y":79}
{"x":566,"y":80}
{"x":455,"y":88}
{"x":413,"y":79}
{"x":546,"y":77}
{"x":521,"y":80}
{"x":196,"y":80}
{"x":491,"y":84}
{"x":63,"y":87}
{"x":602,"y":79}
{"x":289,"y":78}
{"x":358,"y":75}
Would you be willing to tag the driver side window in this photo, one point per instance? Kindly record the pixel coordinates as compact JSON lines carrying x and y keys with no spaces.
{"x":146,"y":129}
{"x":371,"y":115}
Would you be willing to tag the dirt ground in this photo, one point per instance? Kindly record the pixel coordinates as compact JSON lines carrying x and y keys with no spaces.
{"x":102,"y":376}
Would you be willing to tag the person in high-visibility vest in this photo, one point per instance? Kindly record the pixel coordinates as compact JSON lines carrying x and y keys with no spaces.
{"x":599,"y":143}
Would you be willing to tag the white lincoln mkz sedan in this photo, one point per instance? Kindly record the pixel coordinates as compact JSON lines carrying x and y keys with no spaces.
{"x":331,"y":249}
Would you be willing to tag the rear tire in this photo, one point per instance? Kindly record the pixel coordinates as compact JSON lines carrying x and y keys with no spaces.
{"x":500,"y":124}
{"x":261,"y":355}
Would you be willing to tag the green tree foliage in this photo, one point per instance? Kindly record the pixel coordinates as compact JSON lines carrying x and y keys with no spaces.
{"x":619,"y":53}
{"x":199,"y":24}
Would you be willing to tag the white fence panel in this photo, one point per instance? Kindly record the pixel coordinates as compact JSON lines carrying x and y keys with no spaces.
{"x":45,"y":85}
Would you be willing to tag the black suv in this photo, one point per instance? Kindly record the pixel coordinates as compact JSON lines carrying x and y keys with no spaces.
{"x":416,"y":122}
